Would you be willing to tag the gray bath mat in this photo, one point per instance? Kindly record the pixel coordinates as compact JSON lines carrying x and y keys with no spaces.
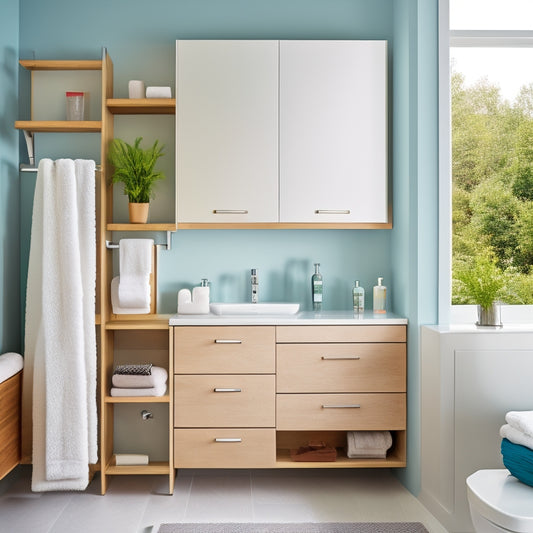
{"x":315,"y":527}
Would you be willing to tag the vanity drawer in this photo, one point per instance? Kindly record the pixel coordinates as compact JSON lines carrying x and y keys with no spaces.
{"x":224,"y":448}
{"x":341,"y":411}
{"x":363,"y":333}
{"x":225,"y":401}
{"x":224,"y":349}
{"x":341,"y":367}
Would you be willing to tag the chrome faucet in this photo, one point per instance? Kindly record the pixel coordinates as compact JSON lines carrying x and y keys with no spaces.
{"x":255,"y":286}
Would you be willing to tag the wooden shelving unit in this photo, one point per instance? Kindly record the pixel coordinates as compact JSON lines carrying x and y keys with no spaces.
{"x":104,"y":319}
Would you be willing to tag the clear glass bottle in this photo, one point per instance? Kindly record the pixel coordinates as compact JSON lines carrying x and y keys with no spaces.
{"x":317,"y":288}
{"x":380,"y":297}
{"x":358,"y":298}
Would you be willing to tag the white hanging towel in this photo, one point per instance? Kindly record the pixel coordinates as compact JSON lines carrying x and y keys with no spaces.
{"x":60,"y":340}
{"x":135,"y":256}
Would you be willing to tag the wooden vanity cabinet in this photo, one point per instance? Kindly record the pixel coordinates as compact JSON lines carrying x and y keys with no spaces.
{"x":244,"y":396}
{"x":225,"y":397}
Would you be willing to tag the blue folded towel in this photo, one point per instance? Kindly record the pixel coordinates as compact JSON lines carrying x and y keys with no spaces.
{"x":518,"y":460}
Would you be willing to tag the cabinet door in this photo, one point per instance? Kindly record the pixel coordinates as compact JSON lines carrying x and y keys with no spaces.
{"x":227,"y":131}
{"x":333,"y":131}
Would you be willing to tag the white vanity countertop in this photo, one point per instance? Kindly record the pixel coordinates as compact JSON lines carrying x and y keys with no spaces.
{"x":303,"y":318}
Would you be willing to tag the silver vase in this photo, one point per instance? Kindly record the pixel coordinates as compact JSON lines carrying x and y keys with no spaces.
{"x":489,"y":316}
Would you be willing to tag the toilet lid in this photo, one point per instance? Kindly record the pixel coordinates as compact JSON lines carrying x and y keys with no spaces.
{"x":502,"y":499}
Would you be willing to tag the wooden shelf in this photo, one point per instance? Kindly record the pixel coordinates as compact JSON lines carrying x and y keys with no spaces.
{"x":138,"y":399}
{"x":142,"y":322}
{"x":142,"y":106}
{"x":47,"y":64}
{"x":156,"y":467}
{"x":284,"y":225}
{"x":283,"y":460}
{"x":57,"y":126}
{"x":114,"y":226}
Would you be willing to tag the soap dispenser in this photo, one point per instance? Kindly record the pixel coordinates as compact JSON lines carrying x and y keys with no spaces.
{"x":380,"y":297}
{"x":358,"y":298}
{"x":317,"y":288}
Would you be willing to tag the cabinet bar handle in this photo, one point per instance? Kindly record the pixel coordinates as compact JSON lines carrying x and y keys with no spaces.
{"x":230,"y":211}
{"x":226,"y":390}
{"x":228,"y":440}
{"x":340,"y":358}
{"x":332,"y":211}
{"x":227,"y":341}
{"x":346,"y":406}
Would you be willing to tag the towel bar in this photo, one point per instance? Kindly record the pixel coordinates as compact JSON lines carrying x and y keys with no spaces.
{"x":166,"y":245}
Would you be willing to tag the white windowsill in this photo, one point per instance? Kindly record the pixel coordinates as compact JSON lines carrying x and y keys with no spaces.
{"x":510,"y":314}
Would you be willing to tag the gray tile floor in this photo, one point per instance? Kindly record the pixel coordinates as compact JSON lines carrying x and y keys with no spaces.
{"x":138,"y":504}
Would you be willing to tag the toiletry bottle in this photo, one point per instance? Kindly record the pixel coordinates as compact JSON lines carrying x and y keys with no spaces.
{"x":316,"y":288}
{"x":358,"y":298}
{"x":380,"y":297}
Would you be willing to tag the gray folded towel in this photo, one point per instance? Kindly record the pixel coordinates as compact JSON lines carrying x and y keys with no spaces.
{"x":156,"y":378}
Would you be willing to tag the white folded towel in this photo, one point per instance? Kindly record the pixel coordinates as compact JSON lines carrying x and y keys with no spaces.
{"x":372,"y":444}
{"x":135,"y":256}
{"x":158,"y":92}
{"x":131,"y":459}
{"x":521,"y":420}
{"x":157,"y":378}
{"x":516,"y":436}
{"x":117,"y":310}
{"x":153,"y":391}
{"x":10,"y":364}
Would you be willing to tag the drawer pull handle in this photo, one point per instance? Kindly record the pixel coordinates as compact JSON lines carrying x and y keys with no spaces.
{"x":346,"y":406}
{"x":226,"y":390}
{"x":230,"y":211}
{"x":340,"y":358}
{"x":228,"y":440}
{"x":227,"y":341}
{"x":332,"y":212}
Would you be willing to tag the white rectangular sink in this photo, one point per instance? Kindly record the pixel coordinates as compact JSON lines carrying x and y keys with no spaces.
{"x":267,"y":308}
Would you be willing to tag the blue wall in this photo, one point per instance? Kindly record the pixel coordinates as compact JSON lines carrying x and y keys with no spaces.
{"x":140,"y":38}
{"x":9,"y":179}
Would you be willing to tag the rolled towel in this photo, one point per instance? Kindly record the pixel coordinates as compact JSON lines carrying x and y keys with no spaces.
{"x":117,"y":309}
{"x":158,"y":92}
{"x":153,"y":391}
{"x":372,"y":444}
{"x":521,"y":420}
{"x":157,"y":378}
{"x":516,"y":436}
{"x":10,"y":364}
{"x":518,"y":460}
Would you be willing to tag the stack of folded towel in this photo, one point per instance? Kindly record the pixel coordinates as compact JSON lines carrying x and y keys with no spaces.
{"x":517,"y":445}
{"x":368,"y":444}
{"x":139,"y":380}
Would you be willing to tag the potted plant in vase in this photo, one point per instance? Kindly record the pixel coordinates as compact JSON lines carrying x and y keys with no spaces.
{"x":483,"y":283}
{"x":135,"y":168}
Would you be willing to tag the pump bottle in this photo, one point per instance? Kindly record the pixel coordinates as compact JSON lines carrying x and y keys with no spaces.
{"x":380,"y":297}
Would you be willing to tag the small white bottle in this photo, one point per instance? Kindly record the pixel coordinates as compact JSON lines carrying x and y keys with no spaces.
{"x":358,"y":294}
{"x":380,"y":297}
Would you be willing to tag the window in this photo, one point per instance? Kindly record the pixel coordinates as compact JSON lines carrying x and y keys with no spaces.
{"x":487,"y":111}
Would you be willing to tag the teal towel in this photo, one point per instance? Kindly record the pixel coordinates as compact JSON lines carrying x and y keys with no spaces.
{"x":518,"y":460}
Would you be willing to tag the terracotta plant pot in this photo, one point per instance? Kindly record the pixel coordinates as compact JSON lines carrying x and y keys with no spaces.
{"x":138,"y":213}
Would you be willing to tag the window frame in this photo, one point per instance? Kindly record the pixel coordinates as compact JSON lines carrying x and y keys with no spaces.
{"x":448,"y":38}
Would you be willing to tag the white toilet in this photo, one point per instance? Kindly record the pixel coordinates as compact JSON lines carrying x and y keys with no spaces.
{"x":499,"y":502}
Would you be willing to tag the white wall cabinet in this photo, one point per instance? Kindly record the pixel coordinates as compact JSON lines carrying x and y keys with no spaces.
{"x":333,"y":131}
{"x":227,"y":131}
{"x":282,"y":133}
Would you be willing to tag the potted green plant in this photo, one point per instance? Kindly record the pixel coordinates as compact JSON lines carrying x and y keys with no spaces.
{"x":483,"y":283}
{"x":135,"y":168}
